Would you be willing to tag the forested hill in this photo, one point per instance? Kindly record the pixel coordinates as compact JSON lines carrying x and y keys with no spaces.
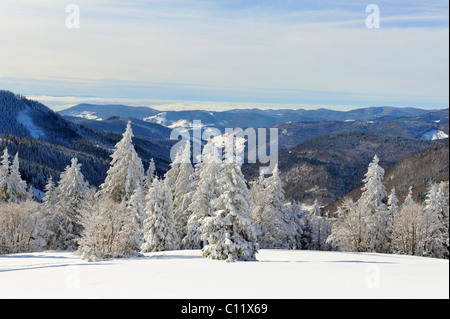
{"x":46,"y":142}
{"x":328,"y":167}
{"x":416,"y":171}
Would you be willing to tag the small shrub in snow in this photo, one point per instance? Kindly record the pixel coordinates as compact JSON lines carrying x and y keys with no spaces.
{"x":109,"y":230}
{"x":20,"y":227}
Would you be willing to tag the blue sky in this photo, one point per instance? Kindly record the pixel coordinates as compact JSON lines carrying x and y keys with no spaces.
{"x":225,"y":54}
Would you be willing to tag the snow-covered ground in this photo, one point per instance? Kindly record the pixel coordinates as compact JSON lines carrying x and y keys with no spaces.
{"x":24,"y":119}
{"x":278,"y":274}
{"x":434,"y":135}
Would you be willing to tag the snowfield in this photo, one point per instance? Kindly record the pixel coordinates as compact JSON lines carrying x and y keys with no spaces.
{"x":184,"y":274}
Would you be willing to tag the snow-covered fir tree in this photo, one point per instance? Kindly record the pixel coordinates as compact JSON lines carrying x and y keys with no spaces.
{"x":5,"y":183}
{"x":70,"y":192}
{"x":150,"y":174}
{"x":19,"y":190}
{"x":375,"y":211}
{"x":126,"y":172}
{"x":12,"y":187}
{"x":351,"y":231}
{"x":303,"y":219}
{"x":50,"y":216}
{"x":277,"y":228}
{"x":230,"y":232}
{"x":373,"y":191}
{"x":315,"y":211}
{"x":179,"y":178}
{"x":409,"y":198}
{"x":444,"y":215}
{"x":321,"y":229}
{"x":436,"y":222}
{"x":136,"y":208}
{"x":159,"y":226}
{"x":50,"y":198}
{"x":366,"y":224}
{"x":206,"y":191}
{"x":393,"y":203}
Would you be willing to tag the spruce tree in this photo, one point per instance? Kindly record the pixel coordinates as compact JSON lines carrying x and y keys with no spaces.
{"x":230,"y":232}
{"x":51,"y":218}
{"x":13,"y":189}
{"x":136,"y":209}
{"x":393,"y":203}
{"x":277,"y":228}
{"x":5,"y":183}
{"x":150,"y":174}
{"x":179,"y":178}
{"x":206,"y":191}
{"x":159,"y":226}
{"x":19,"y":192}
{"x":126,"y":172}
{"x":436,"y":223}
{"x":373,"y":191}
{"x":375,"y":211}
{"x":71,"y":192}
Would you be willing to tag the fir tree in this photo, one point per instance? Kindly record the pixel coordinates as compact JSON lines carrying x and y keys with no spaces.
{"x":320,"y":229}
{"x":5,"y":183}
{"x":206,"y":191}
{"x":50,"y":216}
{"x":276,"y":227}
{"x":408,"y":200}
{"x":12,"y":187}
{"x":71,"y":192}
{"x":136,"y":208}
{"x":19,"y":186}
{"x":126,"y":172}
{"x":179,"y":179}
{"x":230,"y":232}
{"x":376,"y":213}
{"x":436,"y":222}
{"x":316,"y":209}
{"x":351,"y":231}
{"x":373,"y":190}
{"x":150,"y":174}
{"x":159,"y":226}
{"x":393,"y":203}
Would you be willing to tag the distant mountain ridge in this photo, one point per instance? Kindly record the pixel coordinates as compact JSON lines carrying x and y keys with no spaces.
{"x":240,"y":117}
{"x":103,"y":112}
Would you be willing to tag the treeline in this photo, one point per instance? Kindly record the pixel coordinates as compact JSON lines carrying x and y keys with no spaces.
{"x":209,"y":207}
{"x":377,"y":223}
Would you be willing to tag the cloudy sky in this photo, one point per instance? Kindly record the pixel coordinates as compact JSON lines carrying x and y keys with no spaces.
{"x":227,"y":53}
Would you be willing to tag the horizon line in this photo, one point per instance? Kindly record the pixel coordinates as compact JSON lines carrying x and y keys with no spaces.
{"x":60,"y":103}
